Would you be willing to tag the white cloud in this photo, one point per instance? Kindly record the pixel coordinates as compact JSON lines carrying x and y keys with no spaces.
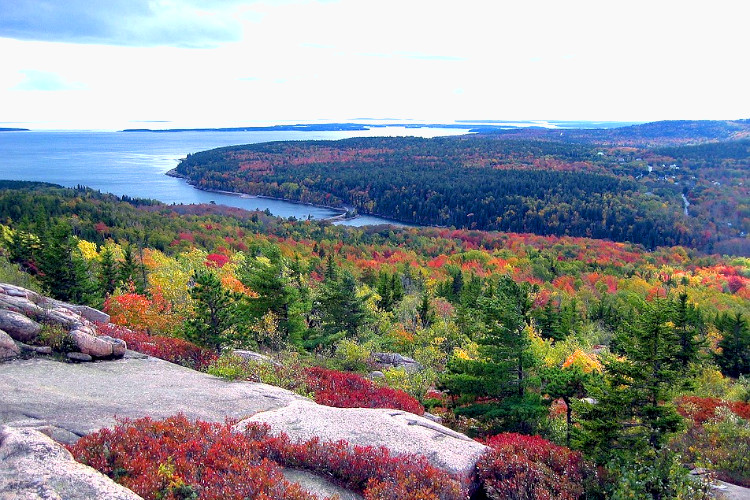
{"x":437,"y":60}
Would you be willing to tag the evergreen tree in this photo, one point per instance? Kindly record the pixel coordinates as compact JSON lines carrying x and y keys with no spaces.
{"x":269,"y":276}
{"x":214,"y":312}
{"x":734,"y":358}
{"x":502,"y":374}
{"x":687,"y":323}
{"x":130,"y":271}
{"x":108,"y":272}
{"x":568,"y":384}
{"x":63,"y":271}
{"x":633,"y":412}
{"x":424,"y":311}
{"x":548,"y":322}
{"x":342,"y":311}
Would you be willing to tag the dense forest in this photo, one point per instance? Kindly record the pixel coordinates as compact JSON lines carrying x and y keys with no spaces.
{"x":591,"y":368}
{"x":663,"y":193}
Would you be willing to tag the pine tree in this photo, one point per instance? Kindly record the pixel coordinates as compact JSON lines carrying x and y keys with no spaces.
{"x":108,"y":272}
{"x":424,"y":310}
{"x":62,"y":270}
{"x":501,"y":376}
{"x":734,"y":359}
{"x":214,"y":311}
{"x":342,"y":310}
{"x":568,"y":384}
{"x":269,"y":276}
{"x":687,"y":323}
{"x":634,"y":412}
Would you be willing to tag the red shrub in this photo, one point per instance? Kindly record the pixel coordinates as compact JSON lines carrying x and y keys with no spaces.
{"x":529,"y":467}
{"x":174,"y":458}
{"x":216,"y":260}
{"x":701,"y":410}
{"x":171,"y":349}
{"x":349,"y":390}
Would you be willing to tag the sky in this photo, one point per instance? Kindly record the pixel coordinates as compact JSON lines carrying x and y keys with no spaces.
{"x":114,"y":64}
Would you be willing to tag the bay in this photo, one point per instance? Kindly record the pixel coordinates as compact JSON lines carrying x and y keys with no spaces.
{"x":135,"y":163}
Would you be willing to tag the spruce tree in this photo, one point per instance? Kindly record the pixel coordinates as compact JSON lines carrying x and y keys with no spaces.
{"x":214,"y":311}
{"x":734,"y":358}
{"x":108,"y":272}
{"x":495,"y":387}
{"x":633,"y":411}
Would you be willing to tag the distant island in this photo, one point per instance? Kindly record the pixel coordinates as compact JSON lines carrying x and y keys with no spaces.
{"x":13,"y":129}
{"x":476,"y":126}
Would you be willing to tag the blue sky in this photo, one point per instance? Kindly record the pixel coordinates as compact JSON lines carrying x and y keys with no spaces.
{"x":122,"y":63}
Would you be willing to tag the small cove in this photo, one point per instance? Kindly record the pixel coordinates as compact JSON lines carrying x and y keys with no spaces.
{"x":135,"y":163}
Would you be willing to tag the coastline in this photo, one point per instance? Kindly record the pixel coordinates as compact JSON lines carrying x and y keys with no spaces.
{"x":340,"y":217}
{"x":342,"y":211}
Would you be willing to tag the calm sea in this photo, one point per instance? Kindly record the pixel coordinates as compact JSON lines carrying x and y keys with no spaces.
{"x":135,"y":163}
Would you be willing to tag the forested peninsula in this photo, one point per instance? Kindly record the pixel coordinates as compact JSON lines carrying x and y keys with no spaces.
{"x":663,"y":183}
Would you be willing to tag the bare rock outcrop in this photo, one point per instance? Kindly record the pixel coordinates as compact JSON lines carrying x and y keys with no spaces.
{"x":33,"y":466}
{"x":399,"y":431}
{"x":97,"y":346}
{"x":387,"y":360}
{"x":8,"y":348}
{"x":18,"y":326}
{"x":22,"y":311}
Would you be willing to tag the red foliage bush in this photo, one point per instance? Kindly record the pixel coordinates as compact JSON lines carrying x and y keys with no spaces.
{"x":175,"y":458}
{"x":529,"y":467}
{"x":702,"y":410}
{"x":216,"y":260}
{"x":349,"y":390}
{"x":171,"y":349}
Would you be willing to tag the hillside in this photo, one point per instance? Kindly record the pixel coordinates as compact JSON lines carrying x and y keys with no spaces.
{"x":609,"y":186}
{"x":501,"y":335}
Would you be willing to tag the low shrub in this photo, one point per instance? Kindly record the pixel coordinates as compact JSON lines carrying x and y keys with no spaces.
{"x":171,"y":349}
{"x":529,"y":467}
{"x":350,"y":390}
{"x":178,"y":459}
{"x":717,"y":437}
{"x":701,"y":410}
{"x":57,"y":337}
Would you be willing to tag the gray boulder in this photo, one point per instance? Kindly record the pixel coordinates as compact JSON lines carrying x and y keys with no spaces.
{"x":255,"y":356}
{"x":395,"y":360}
{"x":33,"y":466}
{"x":19,"y":326}
{"x":400,"y":432}
{"x":86,"y":312}
{"x":8,"y":348}
{"x":22,"y":305}
{"x":97,"y":347}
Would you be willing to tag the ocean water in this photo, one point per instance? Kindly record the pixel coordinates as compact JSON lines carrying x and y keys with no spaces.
{"x":135,"y":163}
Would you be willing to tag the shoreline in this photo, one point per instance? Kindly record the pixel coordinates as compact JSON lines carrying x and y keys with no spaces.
{"x":340,"y":217}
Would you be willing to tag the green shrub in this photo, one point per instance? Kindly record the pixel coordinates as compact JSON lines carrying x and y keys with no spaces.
{"x":56,"y":337}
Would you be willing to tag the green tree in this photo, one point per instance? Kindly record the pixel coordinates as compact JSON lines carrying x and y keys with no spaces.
{"x":734,"y":358}
{"x":269,"y":276}
{"x":568,"y":384}
{"x":63,"y":271}
{"x":688,"y":324}
{"x":342,"y":311}
{"x":108,"y":272}
{"x":633,"y":411}
{"x":214,"y":312}
{"x":495,"y":387}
